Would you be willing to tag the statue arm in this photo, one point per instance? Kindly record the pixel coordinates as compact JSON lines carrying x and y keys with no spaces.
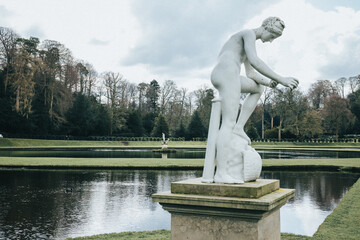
{"x":250,"y":49}
{"x":260,"y":79}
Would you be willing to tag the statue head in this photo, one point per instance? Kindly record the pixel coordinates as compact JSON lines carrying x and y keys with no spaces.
{"x":272,"y":28}
{"x":274,"y":25}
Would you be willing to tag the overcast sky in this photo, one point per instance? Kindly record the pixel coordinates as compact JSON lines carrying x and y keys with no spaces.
{"x":180,"y":39}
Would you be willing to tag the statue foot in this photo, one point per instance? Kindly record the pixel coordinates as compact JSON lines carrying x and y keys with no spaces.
{"x":243,"y":135}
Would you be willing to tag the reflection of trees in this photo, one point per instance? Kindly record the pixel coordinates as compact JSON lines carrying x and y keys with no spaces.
{"x":326,"y":189}
{"x":36,"y":201}
{"x":33,"y":204}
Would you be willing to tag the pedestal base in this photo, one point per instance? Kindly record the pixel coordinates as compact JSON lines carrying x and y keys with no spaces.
{"x":229,"y":211}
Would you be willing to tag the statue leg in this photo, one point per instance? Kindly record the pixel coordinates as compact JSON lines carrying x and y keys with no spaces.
{"x":255,"y":90}
{"x":225,"y":78}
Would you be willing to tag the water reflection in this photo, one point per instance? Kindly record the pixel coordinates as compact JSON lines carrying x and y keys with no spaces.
{"x":317,"y":195}
{"x":35,"y":205}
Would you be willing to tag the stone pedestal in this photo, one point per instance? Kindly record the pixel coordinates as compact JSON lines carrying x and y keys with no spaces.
{"x":214,"y":211}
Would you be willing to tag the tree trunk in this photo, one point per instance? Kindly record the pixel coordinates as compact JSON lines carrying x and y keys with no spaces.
{"x":17,"y":104}
{"x":45,"y":92}
{"x":337,"y":133}
{"x":6,"y":79}
{"x":51,"y":104}
{"x":263,"y":124}
{"x":279,"y":133}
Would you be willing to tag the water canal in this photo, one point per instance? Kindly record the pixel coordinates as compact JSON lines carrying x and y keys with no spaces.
{"x":40,"y":205}
{"x":180,"y":153}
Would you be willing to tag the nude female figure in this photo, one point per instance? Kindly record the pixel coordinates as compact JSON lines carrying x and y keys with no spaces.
{"x":240,"y":49}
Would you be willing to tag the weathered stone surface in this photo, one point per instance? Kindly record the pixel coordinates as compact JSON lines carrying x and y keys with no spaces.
{"x":264,"y":203}
{"x":254,"y":189}
{"x":223,"y":228}
{"x":198,"y":216}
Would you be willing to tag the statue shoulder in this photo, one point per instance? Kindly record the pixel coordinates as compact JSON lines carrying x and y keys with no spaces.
{"x":248,"y":34}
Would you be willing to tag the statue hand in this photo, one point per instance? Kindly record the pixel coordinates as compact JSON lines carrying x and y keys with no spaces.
{"x":290,"y":82}
{"x":273,"y":84}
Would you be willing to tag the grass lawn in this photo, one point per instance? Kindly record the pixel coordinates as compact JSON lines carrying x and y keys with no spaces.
{"x":144,"y":235}
{"x":351,"y":164}
{"x":100,"y":162}
{"x":160,"y":235}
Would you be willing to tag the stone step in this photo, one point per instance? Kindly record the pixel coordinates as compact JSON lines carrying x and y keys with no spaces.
{"x":255,"y":189}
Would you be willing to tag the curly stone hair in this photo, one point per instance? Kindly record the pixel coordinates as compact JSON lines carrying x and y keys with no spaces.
{"x":274,"y":25}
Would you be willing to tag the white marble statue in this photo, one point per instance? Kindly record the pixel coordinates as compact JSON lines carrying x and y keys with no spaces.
{"x":229,"y":146}
{"x":164,"y":142}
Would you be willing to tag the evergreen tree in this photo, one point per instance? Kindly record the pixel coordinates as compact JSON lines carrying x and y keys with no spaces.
{"x":87,"y":117}
{"x":148,"y":122}
{"x":160,"y":127}
{"x":251,"y":131}
{"x":181,"y":131}
{"x":195,"y":128}
{"x":152,"y":96}
{"x":134,"y":124}
{"x":205,"y":105}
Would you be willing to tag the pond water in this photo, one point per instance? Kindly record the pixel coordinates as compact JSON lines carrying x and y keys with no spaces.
{"x":37,"y":205}
{"x":180,"y":153}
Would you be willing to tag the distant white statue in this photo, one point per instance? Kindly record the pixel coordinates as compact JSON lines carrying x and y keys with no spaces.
{"x":164,"y":142}
{"x":229,"y":146}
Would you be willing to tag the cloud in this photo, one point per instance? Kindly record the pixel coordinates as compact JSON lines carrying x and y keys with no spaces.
{"x":346,"y":63}
{"x":181,"y":40}
{"x":331,"y":4}
{"x":34,"y":31}
{"x":95,"y":41}
{"x":183,"y":36}
{"x":4,"y":13}
{"x":312,"y":41}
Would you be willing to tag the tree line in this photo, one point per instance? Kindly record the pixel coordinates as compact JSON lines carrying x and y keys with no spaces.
{"x":45,"y":90}
{"x":327,"y":109}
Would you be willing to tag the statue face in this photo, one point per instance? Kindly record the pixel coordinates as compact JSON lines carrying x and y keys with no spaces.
{"x":267,"y":36}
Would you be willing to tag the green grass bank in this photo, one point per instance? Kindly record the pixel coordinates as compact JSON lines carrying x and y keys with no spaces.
{"x":340,"y":164}
{"x":159,"y":235}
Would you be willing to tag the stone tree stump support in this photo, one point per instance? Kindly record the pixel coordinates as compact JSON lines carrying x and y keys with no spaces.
{"x":214,"y":211}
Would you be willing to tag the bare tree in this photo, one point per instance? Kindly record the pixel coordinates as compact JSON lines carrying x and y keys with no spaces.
{"x":167,"y":93}
{"x":319,"y":91}
{"x":264,"y":100}
{"x":112,"y":82}
{"x":337,"y":115}
{"x":142,"y":87}
{"x":204,"y":97}
{"x":82,"y":73}
{"x":90,"y":79}
{"x":25,"y":66}
{"x":131,"y":96}
{"x":8,"y":43}
{"x":340,"y":86}
{"x":354,"y":83}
